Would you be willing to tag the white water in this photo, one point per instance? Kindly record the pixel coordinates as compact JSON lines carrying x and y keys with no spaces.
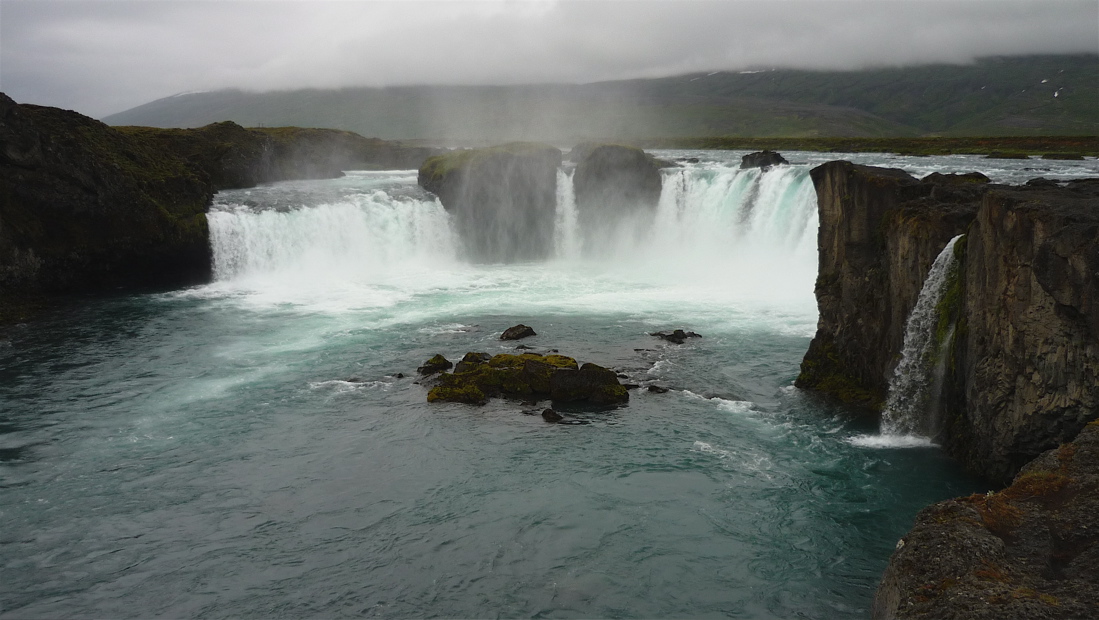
{"x":721,"y":238}
{"x":911,"y":392}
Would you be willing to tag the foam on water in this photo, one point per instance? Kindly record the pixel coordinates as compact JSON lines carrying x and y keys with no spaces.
{"x":890,"y":441}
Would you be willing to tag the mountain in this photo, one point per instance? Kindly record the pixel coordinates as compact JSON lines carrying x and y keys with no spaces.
{"x":1028,"y":95}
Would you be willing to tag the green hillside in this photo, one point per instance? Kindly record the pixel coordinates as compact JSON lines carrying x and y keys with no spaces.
{"x":1018,"y":96}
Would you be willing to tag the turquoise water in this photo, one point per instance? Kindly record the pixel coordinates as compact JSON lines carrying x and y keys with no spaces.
{"x":247,"y":448}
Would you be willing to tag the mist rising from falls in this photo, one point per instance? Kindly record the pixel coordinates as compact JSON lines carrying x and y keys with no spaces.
{"x":917,"y":379}
{"x":717,"y":231}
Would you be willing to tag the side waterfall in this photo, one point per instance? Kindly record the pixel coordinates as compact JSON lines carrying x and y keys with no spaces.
{"x":918,"y":378}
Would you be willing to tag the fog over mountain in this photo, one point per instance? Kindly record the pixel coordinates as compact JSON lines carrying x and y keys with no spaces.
{"x":105,"y":57}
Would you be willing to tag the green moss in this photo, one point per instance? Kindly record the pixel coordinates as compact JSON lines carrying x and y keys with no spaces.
{"x":468,"y":394}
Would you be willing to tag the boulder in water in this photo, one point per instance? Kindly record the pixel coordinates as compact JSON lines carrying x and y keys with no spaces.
{"x":762,"y":159}
{"x":434,"y":365}
{"x":590,"y":383}
{"x":517,"y":332}
{"x":503,"y":199}
{"x":476,"y":379}
{"x":676,"y":337}
{"x":549,"y":415}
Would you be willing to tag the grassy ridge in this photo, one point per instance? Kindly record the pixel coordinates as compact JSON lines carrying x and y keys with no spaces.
{"x":1036,"y":145}
{"x":1024,"y":96}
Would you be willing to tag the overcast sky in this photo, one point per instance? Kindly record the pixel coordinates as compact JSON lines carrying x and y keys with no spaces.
{"x":104,"y":57}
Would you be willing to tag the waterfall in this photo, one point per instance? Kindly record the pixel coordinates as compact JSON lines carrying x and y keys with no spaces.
{"x":566,"y":233}
{"x":918,"y":378}
{"x":355,"y":238}
{"x":714,"y":224}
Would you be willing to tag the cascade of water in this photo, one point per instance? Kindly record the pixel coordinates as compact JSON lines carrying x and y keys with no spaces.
{"x":566,"y":233}
{"x":743,"y":230}
{"x":360,"y":235}
{"x":913,"y":390}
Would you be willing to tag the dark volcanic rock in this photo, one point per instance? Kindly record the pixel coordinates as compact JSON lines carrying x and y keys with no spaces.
{"x":1022,"y":364}
{"x":762,"y":159}
{"x":85,"y":207}
{"x":549,"y":415}
{"x":434,"y":365}
{"x":880,"y":231}
{"x":503,"y":199}
{"x":590,"y":383}
{"x":517,"y":332}
{"x":471,"y":360}
{"x":612,"y":184}
{"x":676,"y":337}
{"x":1028,"y":552}
{"x":657,"y":389}
{"x":956,"y":178}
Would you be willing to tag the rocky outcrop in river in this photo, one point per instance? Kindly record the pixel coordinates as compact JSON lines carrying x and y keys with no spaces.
{"x":503,"y":199}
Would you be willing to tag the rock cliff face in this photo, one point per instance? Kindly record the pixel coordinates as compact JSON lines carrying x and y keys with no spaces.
{"x":1026,"y":358}
{"x":880,"y":231}
{"x":83,"y":206}
{"x":1022,"y":370}
{"x":612,"y":183}
{"x":1028,"y":552}
{"x":503,"y":199}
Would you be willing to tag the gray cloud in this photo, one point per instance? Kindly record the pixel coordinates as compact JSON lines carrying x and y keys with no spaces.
{"x":102,"y":57}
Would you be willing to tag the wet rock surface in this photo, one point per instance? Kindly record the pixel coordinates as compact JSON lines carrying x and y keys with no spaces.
{"x":613,"y":183}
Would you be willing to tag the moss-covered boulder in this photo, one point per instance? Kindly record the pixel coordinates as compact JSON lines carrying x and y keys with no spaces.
{"x":434,"y":365}
{"x":559,"y":377}
{"x":503,"y":199}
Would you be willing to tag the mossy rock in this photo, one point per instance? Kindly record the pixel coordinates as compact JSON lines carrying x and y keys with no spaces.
{"x":478,"y":377}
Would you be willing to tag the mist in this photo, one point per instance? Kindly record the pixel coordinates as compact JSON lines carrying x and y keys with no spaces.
{"x":105,"y":57}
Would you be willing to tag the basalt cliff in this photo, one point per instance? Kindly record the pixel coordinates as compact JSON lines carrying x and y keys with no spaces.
{"x":1019,"y":324}
{"x":87,"y":207}
{"x":1017,"y":336}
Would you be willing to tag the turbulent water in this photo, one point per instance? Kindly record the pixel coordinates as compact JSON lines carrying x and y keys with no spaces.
{"x":250,"y":448}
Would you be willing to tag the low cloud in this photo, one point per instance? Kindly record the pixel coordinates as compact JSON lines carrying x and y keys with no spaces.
{"x":103,"y":57}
